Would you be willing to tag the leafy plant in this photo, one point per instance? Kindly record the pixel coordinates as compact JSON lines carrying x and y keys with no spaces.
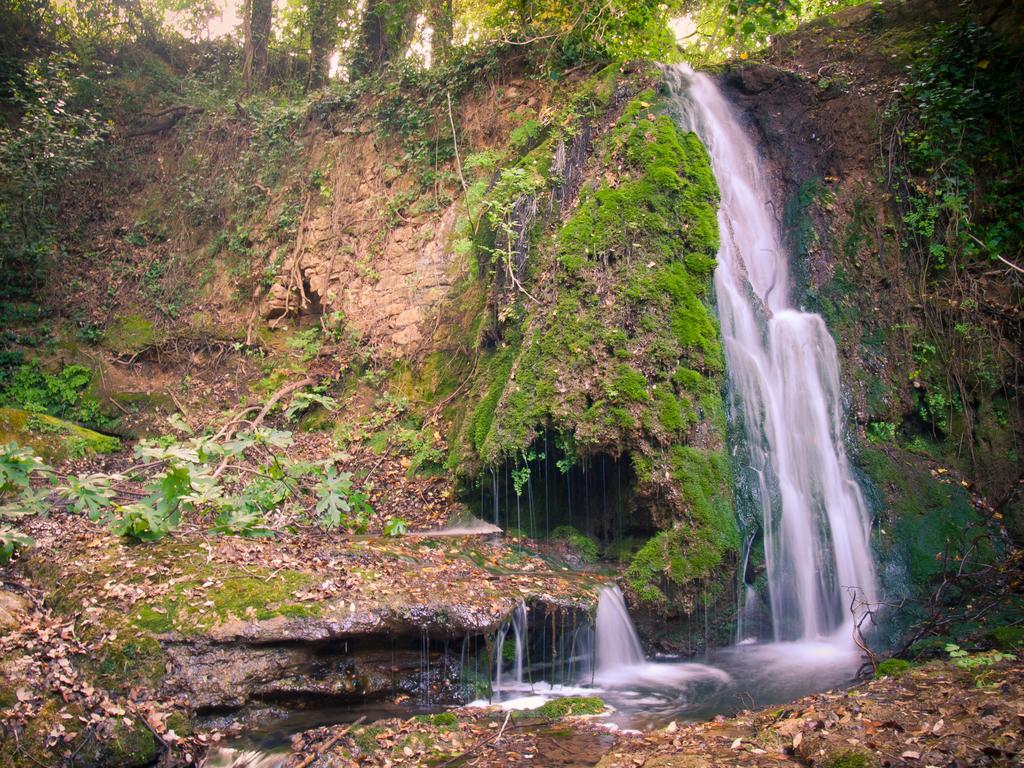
{"x":142,"y":522}
{"x":89,"y":494}
{"x":17,"y":466}
{"x":965,"y":660}
{"x":10,"y":540}
{"x":881,"y":431}
{"x":303,"y":401}
{"x":396,"y":526}
{"x":339,"y":503}
{"x":240,"y":519}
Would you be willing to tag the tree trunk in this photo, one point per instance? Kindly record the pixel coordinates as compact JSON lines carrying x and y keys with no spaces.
{"x":441,"y":24}
{"x":387,"y":29}
{"x":323,"y":30}
{"x":256,"y":19}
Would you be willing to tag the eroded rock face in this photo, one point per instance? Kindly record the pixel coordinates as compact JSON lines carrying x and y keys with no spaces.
{"x":213,"y":676}
{"x":387,"y":273}
{"x":355,"y":655}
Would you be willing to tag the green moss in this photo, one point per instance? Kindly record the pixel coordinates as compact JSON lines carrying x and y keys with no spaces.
{"x":442,"y":719}
{"x":849,"y":758}
{"x":622,"y":352}
{"x":628,"y":384}
{"x":583,"y":545}
{"x":366,"y":738}
{"x":241,"y":597}
{"x":892,"y":667}
{"x":692,"y":550}
{"x":55,"y":440}
{"x":569,"y":705}
{"x":927,"y":520}
{"x":180,"y":723}
{"x":130,"y":334}
{"x":132,"y":745}
{"x":128,"y":661}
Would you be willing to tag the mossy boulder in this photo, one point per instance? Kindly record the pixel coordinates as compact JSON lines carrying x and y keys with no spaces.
{"x":55,"y":440}
{"x":130,"y":334}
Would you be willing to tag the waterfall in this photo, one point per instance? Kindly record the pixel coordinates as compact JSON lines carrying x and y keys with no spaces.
{"x":518,"y":625}
{"x":615,"y":637}
{"x":783,"y":370}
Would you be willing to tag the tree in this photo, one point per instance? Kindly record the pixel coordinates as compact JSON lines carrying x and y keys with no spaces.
{"x":385,"y":33}
{"x":257,"y":15}
{"x":441,"y":22}
{"x":323,"y":31}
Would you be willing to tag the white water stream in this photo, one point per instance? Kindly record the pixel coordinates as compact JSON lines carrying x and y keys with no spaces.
{"x":784,"y":371}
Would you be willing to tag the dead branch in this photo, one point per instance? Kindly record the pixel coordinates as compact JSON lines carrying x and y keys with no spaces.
{"x":329,"y":743}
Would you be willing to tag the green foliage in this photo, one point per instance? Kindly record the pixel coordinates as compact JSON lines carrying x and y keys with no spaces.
{"x":1008,"y":638}
{"x":727,"y":27}
{"x":419,"y":446}
{"x":628,"y":30}
{"x":307,"y":343}
{"x":141,"y":522}
{"x":51,"y":133}
{"x":396,"y":526}
{"x":66,"y":394}
{"x":303,"y":401}
{"x":965,"y":660}
{"x":90,"y":495}
{"x":881,"y":432}
{"x":241,"y":520}
{"x":967,"y":205}
{"x":11,"y":540}
{"x":17,"y":467}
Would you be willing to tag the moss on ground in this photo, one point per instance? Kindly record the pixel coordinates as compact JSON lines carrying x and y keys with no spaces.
{"x":55,"y":440}
{"x":569,"y":705}
{"x":892,"y":667}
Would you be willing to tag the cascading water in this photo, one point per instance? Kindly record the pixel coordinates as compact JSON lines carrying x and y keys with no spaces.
{"x":784,"y":373}
{"x":614,"y":635}
{"x":520,"y":633}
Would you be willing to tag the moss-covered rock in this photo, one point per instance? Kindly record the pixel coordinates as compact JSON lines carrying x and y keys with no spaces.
{"x":51,"y":438}
{"x":569,"y":705}
{"x":614,"y":347}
